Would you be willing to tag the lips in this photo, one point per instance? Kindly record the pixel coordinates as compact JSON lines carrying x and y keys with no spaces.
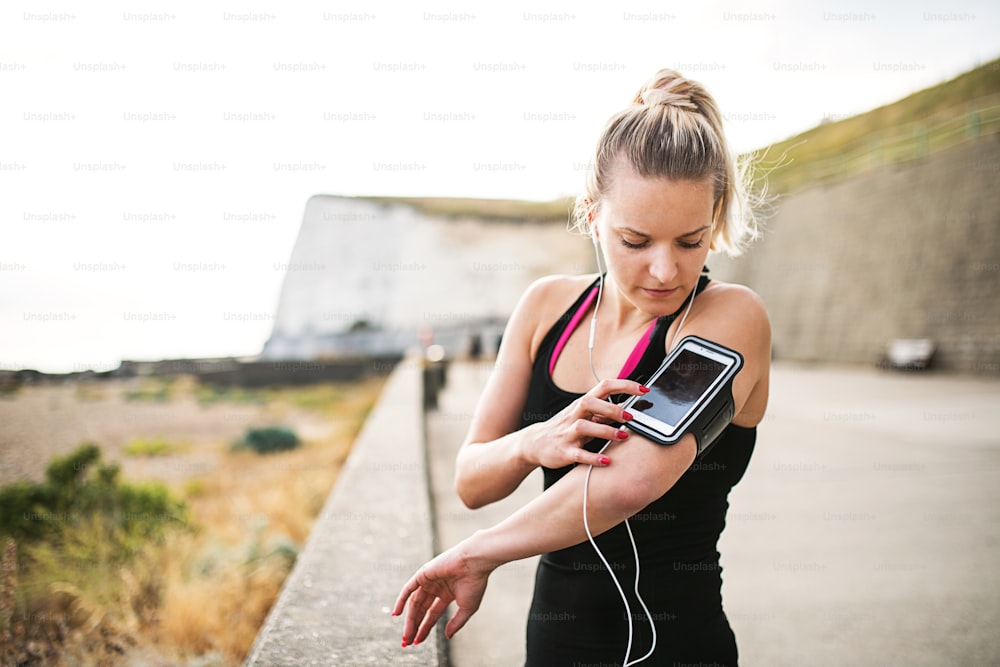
{"x":660,"y":293}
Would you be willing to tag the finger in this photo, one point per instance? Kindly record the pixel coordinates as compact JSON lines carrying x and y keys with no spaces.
{"x":606,"y":388}
{"x":458,"y":621}
{"x":418,"y":607}
{"x":591,"y":406}
{"x":404,"y":595}
{"x":433,"y":614}
{"x":583,"y":457}
{"x":584,"y":430}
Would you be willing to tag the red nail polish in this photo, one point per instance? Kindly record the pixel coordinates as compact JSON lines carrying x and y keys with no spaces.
{"x":404,"y":643}
{"x":604,"y":460}
{"x":644,"y":389}
{"x":621,"y":435}
{"x":627,"y":416}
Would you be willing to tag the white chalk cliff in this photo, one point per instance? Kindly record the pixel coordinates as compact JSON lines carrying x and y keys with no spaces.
{"x":388,"y":272}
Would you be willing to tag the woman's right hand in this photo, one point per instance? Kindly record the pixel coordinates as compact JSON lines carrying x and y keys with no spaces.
{"x":559,"y":441}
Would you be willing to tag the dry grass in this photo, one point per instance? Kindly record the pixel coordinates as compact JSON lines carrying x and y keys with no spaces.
{"x":201,"y":596}
{"x":214,"y":603}
{"x":254,"y":514}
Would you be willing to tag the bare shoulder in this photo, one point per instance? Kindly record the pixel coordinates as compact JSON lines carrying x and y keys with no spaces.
{"x":733,"y":315}
{"x":731,"y":301}
{"x":544,"y":301}
{"x":558,"y":285}
{"x":547,"y":298}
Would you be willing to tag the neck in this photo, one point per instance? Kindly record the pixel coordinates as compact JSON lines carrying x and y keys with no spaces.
{"x":621,"y":314}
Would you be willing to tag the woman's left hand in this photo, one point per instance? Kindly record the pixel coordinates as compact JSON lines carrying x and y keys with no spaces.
{"x":452,"y":576}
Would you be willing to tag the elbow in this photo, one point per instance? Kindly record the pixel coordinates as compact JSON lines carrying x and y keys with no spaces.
{"x":467,"y":492}
{"x":469,"y":499}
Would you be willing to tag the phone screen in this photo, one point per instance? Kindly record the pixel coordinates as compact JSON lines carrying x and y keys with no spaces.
{"x":677,"y":390}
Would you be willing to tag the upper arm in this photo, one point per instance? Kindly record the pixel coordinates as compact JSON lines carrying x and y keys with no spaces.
{"x":734,"y":316}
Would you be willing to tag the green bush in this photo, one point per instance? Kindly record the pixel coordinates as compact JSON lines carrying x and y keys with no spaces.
{"x":79,"y":489}
{"x":76,"y":536}
{"x":268,"y":440}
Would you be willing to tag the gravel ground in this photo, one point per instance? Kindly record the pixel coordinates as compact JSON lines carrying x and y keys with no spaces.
{"x":43,"y":421}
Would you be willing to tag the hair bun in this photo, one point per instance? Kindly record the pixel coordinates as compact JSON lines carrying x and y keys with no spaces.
{"x":651,"y":97}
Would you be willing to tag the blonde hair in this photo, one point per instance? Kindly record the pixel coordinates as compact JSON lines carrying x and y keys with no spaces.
{"x":673,"y":129}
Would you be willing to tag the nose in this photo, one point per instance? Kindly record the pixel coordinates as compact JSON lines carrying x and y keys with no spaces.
{"x":663,"y":266}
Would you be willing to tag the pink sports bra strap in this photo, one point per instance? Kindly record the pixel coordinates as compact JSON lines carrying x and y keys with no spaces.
{"x":570,"y":328}
{"x":630,"y":363}
{"x":637,"y":352}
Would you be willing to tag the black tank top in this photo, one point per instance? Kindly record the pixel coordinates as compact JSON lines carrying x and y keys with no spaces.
{"x":676,"y":537}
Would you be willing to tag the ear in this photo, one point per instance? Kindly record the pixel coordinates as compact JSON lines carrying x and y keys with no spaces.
{"x":592,"y":220}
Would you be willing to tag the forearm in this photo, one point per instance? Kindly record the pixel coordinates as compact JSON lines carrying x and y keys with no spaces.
{"x":641,"y":473}
{"x":487,"y":472}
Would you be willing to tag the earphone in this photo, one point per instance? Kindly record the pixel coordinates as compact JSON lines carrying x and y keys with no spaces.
{"x":600,"y":291}
{"x":590,"y":468}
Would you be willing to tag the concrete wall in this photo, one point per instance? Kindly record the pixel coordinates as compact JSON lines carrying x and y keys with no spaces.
{"x":373,"y":533}
{"x":902,"y":251}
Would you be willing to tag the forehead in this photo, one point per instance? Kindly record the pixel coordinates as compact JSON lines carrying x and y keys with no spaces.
{"x":654,"y":201}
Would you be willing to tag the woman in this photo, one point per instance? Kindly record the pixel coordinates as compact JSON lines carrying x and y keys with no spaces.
{"x":665,"y":189}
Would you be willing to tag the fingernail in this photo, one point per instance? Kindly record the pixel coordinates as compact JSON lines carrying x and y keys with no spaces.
{"x":621,"y":435}
{"x":644,"y":389}
{"x":604,"y":460}
{"x":626,"y":416}
{"x":404,"y":642}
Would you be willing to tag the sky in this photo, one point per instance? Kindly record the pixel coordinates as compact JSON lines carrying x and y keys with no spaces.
{"x":155,"y":158}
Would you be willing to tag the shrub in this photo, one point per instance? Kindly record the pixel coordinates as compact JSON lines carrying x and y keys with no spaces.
{"x":268,"y":440}
{"x":80,"y":488}
{"x":82,"y":538}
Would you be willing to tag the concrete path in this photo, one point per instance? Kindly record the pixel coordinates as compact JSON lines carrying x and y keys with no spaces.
{"x":494,"y":637}
{"x":865,"y":532}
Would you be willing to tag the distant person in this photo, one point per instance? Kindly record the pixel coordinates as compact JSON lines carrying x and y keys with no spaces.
{"x":664,"y":191}
{"x":476,"y":346}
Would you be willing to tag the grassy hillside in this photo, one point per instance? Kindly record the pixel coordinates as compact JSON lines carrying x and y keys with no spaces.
{"x":917,"y":125}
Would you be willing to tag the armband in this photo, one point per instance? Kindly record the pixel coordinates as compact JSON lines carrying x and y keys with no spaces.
{"x":692,"y":392}
{"x":706,"y":427}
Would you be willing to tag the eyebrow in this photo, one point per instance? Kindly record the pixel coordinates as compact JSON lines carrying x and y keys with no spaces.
{"x":644,"y":235}
{"x":696,"y":231}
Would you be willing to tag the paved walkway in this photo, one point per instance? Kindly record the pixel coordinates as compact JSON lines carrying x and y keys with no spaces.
{"x":865,"y":532}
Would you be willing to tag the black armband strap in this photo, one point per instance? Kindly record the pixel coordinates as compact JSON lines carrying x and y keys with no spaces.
{"x":714,"y":419}
{"x":682,"y":373}
{"x":706,"y":427}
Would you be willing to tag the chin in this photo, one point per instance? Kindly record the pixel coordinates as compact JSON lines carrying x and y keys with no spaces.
{"x":657,"y":305}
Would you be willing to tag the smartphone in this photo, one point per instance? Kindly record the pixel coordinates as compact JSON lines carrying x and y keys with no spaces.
{"x":685,"y":386}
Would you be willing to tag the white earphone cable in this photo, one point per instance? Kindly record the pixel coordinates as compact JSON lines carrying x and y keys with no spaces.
{"x":590,"y":468}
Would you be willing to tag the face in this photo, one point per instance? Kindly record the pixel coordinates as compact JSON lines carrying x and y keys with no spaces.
{"x":655,"y":234}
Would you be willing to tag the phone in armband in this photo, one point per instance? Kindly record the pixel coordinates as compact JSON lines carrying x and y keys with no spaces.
{"x":691,"y":392}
